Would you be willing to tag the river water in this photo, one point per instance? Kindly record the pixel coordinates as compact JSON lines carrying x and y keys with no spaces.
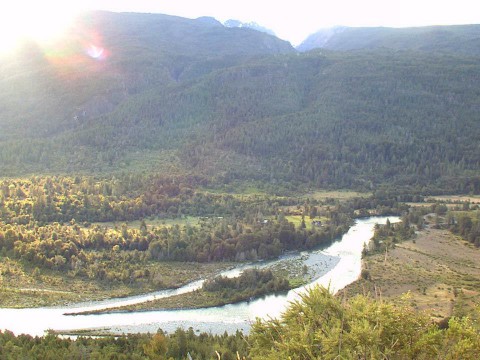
{"x":337,"y":266}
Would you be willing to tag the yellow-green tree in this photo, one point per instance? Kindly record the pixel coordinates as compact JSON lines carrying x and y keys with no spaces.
{"x":322,"y":326}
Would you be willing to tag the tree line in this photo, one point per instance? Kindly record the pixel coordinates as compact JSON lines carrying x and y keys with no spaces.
{"x":72,"y":239}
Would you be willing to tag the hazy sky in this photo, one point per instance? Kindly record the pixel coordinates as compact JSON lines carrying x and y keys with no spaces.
{"x":290,"y":20}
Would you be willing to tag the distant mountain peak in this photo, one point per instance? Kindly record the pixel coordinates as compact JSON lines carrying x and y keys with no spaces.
{"x":321,"y":38}
{"x":232,"y":23}
{"x":208,"y":20}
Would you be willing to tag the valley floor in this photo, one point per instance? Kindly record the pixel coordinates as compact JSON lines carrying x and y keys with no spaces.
{"x":20,"y":287}
{"x":439,"y":272}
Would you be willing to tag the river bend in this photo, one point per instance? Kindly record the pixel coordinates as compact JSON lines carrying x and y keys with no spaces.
{"x":337,"y":266}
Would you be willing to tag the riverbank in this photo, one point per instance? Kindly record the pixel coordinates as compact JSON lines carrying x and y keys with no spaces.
{"x":197,"y":299}
{"x":23,"y":287}
{"x":439,"y":272}
{"x":299,"y":268}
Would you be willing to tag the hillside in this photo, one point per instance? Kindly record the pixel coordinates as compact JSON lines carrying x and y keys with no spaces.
{"x":106,"y":58}
{"x":191,"y":96}
{"x":463,"y":39}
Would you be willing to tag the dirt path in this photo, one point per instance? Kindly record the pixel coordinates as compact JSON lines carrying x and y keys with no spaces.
{"x":43,"y":290}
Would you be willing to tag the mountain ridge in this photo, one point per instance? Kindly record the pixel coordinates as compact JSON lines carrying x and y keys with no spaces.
{"x":262,"y":111}
{"x":445,"y":38}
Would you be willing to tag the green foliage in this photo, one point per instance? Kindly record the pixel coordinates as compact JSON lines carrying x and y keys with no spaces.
{"x":386,"y":236}
{"x":58,"y":223}
{"x":133,"y":347}
{"x":467,"y":225}
{"x":189,"y":96}
{"x":251,"y":283}
{"x":321,"y":326}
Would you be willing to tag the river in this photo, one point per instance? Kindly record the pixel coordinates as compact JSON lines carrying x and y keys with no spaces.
{"x":337,"y":266}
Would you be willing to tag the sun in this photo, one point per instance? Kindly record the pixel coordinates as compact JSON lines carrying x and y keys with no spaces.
{"x":40,"y":21}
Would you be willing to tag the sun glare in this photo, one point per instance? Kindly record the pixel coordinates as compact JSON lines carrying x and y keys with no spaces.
{"x":41,"y":22}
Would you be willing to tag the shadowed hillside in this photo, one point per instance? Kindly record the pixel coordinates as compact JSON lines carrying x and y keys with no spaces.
{"x":160,"y":93}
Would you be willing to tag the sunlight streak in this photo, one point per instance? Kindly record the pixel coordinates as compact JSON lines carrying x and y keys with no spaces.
{"x":42,"y":22}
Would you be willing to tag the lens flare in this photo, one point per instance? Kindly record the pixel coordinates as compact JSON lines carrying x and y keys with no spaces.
{"x":96,"y":52}
{"x":68,"y":38}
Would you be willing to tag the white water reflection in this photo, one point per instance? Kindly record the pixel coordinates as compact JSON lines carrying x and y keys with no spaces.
{"x":216,"y":319}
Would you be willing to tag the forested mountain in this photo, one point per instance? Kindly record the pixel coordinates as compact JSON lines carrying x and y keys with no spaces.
{"x":107,"y":57}
{"x":464,"y":39}
{"x":162,"y":93}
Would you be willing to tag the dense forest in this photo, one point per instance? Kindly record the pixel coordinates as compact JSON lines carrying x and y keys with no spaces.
{"x":114,"y":230}
{"x":79,"y":226}
{"x":193,"y":104}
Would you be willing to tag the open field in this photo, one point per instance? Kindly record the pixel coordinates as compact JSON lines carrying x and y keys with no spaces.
{"x":473,"y":199}
{"x":453,"y":202}
{"x":238,"y":190}
{"x":297,"y":221}
{"x":429,"y":204}
{"x":336,"y":194}
{"x":440,"y":272}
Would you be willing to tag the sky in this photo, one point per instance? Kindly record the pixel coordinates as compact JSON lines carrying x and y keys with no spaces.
{"x":290,"y":20}
{"x":295,"y":20}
